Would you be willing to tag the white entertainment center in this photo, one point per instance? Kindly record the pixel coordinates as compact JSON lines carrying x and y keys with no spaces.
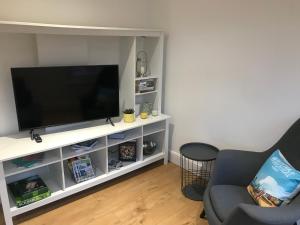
{"x":49,"y":44}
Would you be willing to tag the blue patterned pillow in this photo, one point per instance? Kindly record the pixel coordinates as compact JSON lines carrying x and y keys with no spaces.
{"x":276,"y":183}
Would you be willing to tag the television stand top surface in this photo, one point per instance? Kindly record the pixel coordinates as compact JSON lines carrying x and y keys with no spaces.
{"x":19,"y":145}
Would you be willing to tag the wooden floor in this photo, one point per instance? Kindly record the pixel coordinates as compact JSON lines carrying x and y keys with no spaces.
{"x":150,"y":196}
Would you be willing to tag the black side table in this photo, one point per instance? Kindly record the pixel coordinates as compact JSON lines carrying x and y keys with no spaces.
{"x":196,"y":162}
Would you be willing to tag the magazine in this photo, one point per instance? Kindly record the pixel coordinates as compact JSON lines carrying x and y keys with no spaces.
{"x":81,"y":168}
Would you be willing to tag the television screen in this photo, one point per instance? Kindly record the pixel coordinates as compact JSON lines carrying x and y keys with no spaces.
{"x":49,"y":96}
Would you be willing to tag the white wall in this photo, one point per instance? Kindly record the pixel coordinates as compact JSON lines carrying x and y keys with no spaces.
{"x":232,"y":70}
{"x":15,"y":50}
{"x":123,"y":13}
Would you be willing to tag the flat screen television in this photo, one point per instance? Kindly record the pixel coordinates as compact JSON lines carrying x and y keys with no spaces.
{"x":52,"y":96}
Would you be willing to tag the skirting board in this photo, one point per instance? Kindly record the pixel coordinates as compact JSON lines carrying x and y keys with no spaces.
{"x":174,"y":157}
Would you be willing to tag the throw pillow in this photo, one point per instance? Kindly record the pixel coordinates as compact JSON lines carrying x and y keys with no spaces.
{"x":276,"y":183}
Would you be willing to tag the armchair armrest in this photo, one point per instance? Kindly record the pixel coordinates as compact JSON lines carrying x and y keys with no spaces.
{"x":234,"y":167}
{"x":253,"y":214}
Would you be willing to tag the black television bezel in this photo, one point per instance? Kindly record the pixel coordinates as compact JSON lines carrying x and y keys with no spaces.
{"x":62,"y":124}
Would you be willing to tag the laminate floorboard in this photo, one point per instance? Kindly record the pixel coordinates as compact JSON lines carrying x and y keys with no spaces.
{"x":150,"y":196}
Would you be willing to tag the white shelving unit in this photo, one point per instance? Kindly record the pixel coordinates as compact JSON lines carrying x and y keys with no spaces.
{"x":53,"y":169}
{"x":52,"y":44}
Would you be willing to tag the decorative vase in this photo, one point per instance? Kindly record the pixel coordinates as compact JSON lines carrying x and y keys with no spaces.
{"x":154,"y":113}
{"x":147,"y":107}
{"x":137,"y":109}
{"x":129,"y":118}
{"x":141,"y":64}
{"x":144,"y":115}
{"x":149,"y":147}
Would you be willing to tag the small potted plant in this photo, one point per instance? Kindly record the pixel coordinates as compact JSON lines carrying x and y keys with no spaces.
{"x":129,"y":115}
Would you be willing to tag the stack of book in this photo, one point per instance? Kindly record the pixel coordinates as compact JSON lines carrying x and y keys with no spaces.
{"x":85,"y":146}
{"x":81,"y":168}
{"x":29,"y":190}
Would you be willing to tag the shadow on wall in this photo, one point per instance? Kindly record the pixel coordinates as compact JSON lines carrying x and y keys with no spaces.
{"x":164,"y":72}
{"x":171,"y":132}
{"x":163,"y":100}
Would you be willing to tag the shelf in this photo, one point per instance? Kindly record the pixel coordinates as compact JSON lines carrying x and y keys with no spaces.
{"x":126,"y":164}
{"x":146,"y":93}
{"x":153,"y":132}
{"x":129,"y":136}
{"x":12,"y":147}
{"x":155,"y":154}
{"x":154,"y":128}
{"x":146,"y":78}
{"x":68,"y":152}
{"x":113,"y":142}
{"x":50,"y":157}
{"x":43,"y":28}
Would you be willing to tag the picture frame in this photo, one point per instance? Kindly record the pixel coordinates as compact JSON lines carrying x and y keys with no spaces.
{"x":127,"y":151}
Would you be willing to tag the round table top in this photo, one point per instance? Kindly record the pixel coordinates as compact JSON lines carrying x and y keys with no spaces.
{"x":199,"y":151}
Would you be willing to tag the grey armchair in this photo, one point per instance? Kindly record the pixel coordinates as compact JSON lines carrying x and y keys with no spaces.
{"x":226,"y":200}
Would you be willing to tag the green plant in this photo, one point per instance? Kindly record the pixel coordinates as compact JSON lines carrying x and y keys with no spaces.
{"x":128,"y":111}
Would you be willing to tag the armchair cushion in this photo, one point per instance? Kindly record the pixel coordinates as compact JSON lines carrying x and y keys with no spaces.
{"x":225,"y":198}
{"x":276,"y":183}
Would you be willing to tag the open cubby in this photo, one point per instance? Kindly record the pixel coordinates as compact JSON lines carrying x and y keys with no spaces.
{"x":49,"y":157}
{"x":68,"y":152}
{"x":129,"y":135}
{"x":152,"y":46}
{"x":50,"y":174}
{"x":99,"y":163}
{"x":137,"y":82}
{"x":148,"y":97}
{"x":113,"y":154}
{"x":159,"y":138}
{"x":154,"y":128}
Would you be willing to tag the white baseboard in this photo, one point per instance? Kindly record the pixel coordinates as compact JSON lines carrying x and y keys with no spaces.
{"x":174,"y":157}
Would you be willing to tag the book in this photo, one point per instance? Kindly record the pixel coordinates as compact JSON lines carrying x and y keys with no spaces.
{"x":29,"y":189}
{"x":22,"y":202}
